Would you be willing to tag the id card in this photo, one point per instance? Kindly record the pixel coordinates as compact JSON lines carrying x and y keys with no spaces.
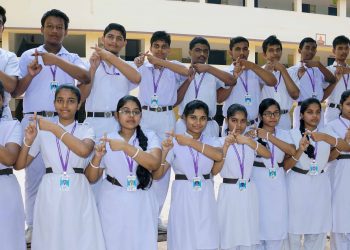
{"x":272,"y":173}
{"x":248,"y":100}
{"x":277,"y":96}
{"x":131,"y":183}
{"x":197,"y":184}
{"x":64,"y":182}
{"x":242,"y":184}
{"x":53,"y":85}
{"x":313,"y":168}
{"x":154,"y":101}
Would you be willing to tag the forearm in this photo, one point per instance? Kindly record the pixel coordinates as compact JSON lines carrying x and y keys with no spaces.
{"x":147,"y":160}
{"x":223,"y":94}
{"x":328,"y":91}
{"x":182,"y":91}
{"x":91,"y":172}
{"x":23,"y":159}
{"x":164,"y":167}
{"x":328,"y":76}
{"x":292,"y":88}
{"x":128,"y":71}
{"x":177,"y":68}
{"x":9,"y":82}
{"x":82,"y":75}
{"x":223,"y":76}
{"x":265,"y":75}
{"x":290,"y":162}
{"x":218,"y":165}
{"x":288,"y":149}
{"x":333,"y":155}
{"x":22,"y":86}
{"x":211,"y":152}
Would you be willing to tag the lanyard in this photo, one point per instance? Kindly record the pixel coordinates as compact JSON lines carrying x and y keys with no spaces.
{"x":195,"y":158}
{"x":156,"y":83}
{"x":240,"y":160}
{"x":53,"y":72}
{"x":115,"y":73}
{"x":129,"y":159}
{"x":245,"y":83}
{"x":279,"y":81}
{"x":197,"y":87}
{"x":312,"y":80}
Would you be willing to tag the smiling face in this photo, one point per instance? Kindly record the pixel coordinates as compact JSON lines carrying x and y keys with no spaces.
{"x":196,"y":122}
{"x":113,"y":41}
{"x":308,"y":51}
{"x":237,"y":122}
{"x":240,"y":50}
{"x":129,"y":115}
{"x":66,"y":104}
{"x":160,"y":49}
{"x":54,"y":31}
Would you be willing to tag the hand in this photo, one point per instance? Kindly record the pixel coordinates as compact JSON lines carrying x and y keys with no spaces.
{"x":168,"y":144}
{"x":183,"y":140}
{"x":100,"y":149}
{"x":140,"y":59}
{"x":34,"y":67}
{"x":279,"y":66}
{"x":44,"y":124}
{"x":304,"y":143}
{"x":95,"y":61}
{"x":253,"y":133}
{"x":317,"y":136}
{"x":229,"y":140}
{"x":48,"y":58}
{"x":339,"y":72}
{"x":270,"y":66}
{"x":347,"y":136}
{"x":311,"y":64}
{"x":102,"y":53}
{"x":30,"y":132}
{"x":261,"y":133}
{"x":191,"y":74}
{"x":114,"y":144}
{"x":152,"y":59}
{"x":200,"y":67}
{"x":241,"y":139}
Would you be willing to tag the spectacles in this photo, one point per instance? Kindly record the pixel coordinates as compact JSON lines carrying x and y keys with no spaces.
{"x":52,"y":27}
{"x":270,"y":114}
{"x":130,"y":112}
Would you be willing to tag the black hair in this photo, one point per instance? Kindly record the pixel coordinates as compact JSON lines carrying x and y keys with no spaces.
{"x":237,"y":39}
{"x":115,"y":26}
{"x":70,"y":87}
{"x":200,"y":40}
{"x":310,"y":151}
{"x":2,"y":94}
{"x":143,"y":175}
{"x":344,"y":96}
{"x":340,"y":40}
{"x":271,"y":40}
{"x":233,"y":109}
{"x":161,"y":36}
{"x":193,"y":105}
{"x":306,"y":40}
{"x":55,"y":13}
{"x":3,"y":14}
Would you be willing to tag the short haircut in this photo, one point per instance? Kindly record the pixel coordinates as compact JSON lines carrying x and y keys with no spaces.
{"x":55,"y":13}
{"x":271,"y":40}
{"x":200,"y":40}
{"x":117,"y":27}
{"x":161,"y":36}
{"x":340,"y":40}
{"x":237,"y":39}
{"x":306,"y":40}
{"x":3,"y":14}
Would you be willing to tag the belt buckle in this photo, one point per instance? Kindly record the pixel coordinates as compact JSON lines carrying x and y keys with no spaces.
{"x":108,"y":114}
{"x":49,"y":113}
{"x":159,"y":109}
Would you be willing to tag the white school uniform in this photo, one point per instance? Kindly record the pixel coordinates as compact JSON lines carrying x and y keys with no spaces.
{"x":238,"y":210}
{"x":273,"y":201}
{"x":129,"y":219}
{"x":341,"y":86}
{"x":193,"y":221}
{"x":8,"y":65}
{"x":207,"y":93}
{"x":307,"y":90}
{"x":12,"y":210}
{"x":309,"y":197}
{"x":65,"y":219}
{"x":39,"y":97}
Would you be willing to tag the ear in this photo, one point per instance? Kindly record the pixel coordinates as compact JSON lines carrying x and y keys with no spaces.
{"x":333,"y":50}
{"x":116,"y":116}
{"x":42,"y":30}
{"x":299,"y":50}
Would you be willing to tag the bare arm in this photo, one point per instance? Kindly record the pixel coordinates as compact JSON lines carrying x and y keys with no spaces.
{"x":9,"y":82}
{"x":265,"y":75}
{"x":292,"y":88}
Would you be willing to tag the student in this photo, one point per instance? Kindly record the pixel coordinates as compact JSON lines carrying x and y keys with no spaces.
{"x":42,"y":70}
{"x":65,"y":213}
{"x":9,"y":70}
{"x":308,"y":187}
{"x":127,"y":206}
{"x":339,"y":173}
{"x":310,"y":76}
{"x":285,"y":91}
{"x":203,"y":84}
{"x":249,"y":78}
{"x":341,"y":71}
{"x":269,"y":176}
{"x":238,"y":198}
{"x":12,"y":210}
{"x":193,"y":220}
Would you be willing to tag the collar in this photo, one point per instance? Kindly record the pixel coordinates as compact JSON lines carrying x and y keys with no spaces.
{"x":131,"y":140}
{"x":68,"y":127}
{"x":62,"y":51}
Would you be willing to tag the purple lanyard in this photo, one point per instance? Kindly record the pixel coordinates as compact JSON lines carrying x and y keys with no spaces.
{"x":53,"y":72}
{"x":245,"y":83}
{"x":156,"y":83}
{"x":279,"y":81}
{"x":195,"y":158}
{"x":64,"y":164}
{"x":315,"y":151}
{"x":129,"y":159}
{"x":197,"y":87}
{"x":272,"y":158}
{"x":346,"y":82}
{"x":115,"y":73}
{"x":341,"y":120}
{"x":312,"y":79}
{"x":241,"y":161}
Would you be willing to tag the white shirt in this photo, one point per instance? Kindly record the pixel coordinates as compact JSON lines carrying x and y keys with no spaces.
{"x":340,"y":86}
{"x":107,"y":89}
{"x":10,"y":132}
{"x":39,"y":96}
{"x":167,"y":87}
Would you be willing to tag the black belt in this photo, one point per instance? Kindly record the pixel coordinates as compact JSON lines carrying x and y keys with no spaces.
{"x":341,"y":157}
{"x":183,"y":177}
{"x":302,"y":171}
{"x":284,"y":111}
{"x":158,"y":109}
{"x":262,"y":165}
{"x":333,"y":105}
{"x":76,"y":170}
{"x":106,"y":114}
{"x":113,"y":180}
{"x":43,"y":113}
{"x":6,"y":171}
{"x":230,"y":181}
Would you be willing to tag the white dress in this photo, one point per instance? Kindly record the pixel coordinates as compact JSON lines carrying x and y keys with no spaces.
{"x":273,"y":202}
{"x":12,"y":210}
{"x":238,"y":210}
{"x":193,"y":221}
{"x":65,"y":219}
{"x":129,"y":219}
{"x":309,"y":196}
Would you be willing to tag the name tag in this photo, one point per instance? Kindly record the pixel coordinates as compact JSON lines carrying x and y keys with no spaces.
{"x":197,"y":183}
{"x":154,"y":101}
{"x":131,"y":183}
{"x":248,"y":100}
{"x":242,"y":184}
{"x":313,"y":170}
{"x":64,"y":182}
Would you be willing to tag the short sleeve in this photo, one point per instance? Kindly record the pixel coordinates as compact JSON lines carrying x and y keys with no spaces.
{"x":12,"y":66}
{"x":170,"y":157}
{"x":23,"y":64}
{"x":219,"y":84}
{"x":103,"y":163}
{"x":76,"y":60}
{"x":89,"y":132}
{"x":179,"y":79}
{"x":16,"y":134}
{"x":215,"y":142}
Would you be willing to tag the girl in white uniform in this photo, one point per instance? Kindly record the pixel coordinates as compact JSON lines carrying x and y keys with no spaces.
{"x":127,"y":206}
{"x":238,"y":198}
{"x":193,"y":222}
{"x":65,"y":213}
{"x":269,"y":176}
{"x":309,"y":189}
{"x":12,"y":210}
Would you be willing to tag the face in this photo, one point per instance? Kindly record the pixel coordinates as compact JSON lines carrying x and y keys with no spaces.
{"x":345,"y":108}
{"x":66,"y":104}
{"x":160,"y":49}
{"x":273,"y":53}
{"x":271,"y":116}
{"x":196,"y":122}
{"x":341,"y":52}
{"x":199,"y":53}
{"x":308,"y":51}
{"x":238,"y":121}
{"x":129,"y":115}
{"x":113,"y":41}
{"x":312,"y":115}
{"x":54,"y":31}
{"x":240,"y":50}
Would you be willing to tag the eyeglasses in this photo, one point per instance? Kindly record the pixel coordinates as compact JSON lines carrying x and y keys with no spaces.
{"x":130,"y":112}
{"x":270,"y":114}
{"x":52,"y":27}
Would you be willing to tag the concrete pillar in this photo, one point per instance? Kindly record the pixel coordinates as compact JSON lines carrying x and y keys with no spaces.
{"x":341,"y":8}
{"x":298,"y":4}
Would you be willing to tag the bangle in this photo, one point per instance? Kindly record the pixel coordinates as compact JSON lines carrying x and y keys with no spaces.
{"x":203,"y":148}
{"x":65,"y":132}
{"x":338,"y":150}
{"x":92,"y":165}
{"x":295,"y":159}
{"x":336,"y":143}
{"x":257,"y":146}
{"x":267,"y":136}
{"x":137,"y":152}
{"x":163,"y":164}
{"x":25,"y":144}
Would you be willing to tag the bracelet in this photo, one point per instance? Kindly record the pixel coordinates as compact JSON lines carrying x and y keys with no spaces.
{"x":63,"y":135}
{"x":203,"y":148}
{"x":338,"y":150}
{"x":295,"y":159}
{"x":267,"y":136}
{"x":137,"y":152}
{"x":336,"y":142}
{"x":257,"y":146}
{"x":25,"y":144}
{"x":92,"y":165}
